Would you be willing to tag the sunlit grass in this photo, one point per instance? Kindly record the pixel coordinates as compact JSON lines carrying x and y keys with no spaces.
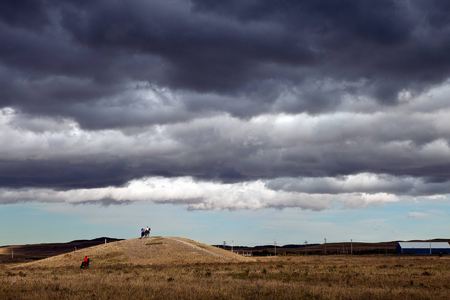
{"x":314,"y":277}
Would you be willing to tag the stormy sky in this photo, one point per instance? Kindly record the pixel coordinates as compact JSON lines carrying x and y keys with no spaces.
{"x":225,"y":105}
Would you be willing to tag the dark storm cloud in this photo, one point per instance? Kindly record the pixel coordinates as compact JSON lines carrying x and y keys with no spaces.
{"x":97,"y":93}
{"x":62,"y":174}
{"x":230,"y":47}
{"x":59,"y":57}
{"x":25,"y":13}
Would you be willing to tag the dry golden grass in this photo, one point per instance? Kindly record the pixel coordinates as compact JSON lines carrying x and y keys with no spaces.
{"x":310,"y":277}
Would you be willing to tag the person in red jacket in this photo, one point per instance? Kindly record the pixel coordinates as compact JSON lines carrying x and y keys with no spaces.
{"x":85,"y":263}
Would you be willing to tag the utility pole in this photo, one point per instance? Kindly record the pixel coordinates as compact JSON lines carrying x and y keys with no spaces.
{"x":351,"y":246}
{"x":325,"y":246}
{"x":232,"y":246}
{"x":12,"y":253}
{"x":105,"y":240}
{"x":306,"y":252}
{"x":275,"y":246}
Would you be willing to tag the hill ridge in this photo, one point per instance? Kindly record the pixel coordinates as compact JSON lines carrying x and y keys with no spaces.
{"x":148,"y":251}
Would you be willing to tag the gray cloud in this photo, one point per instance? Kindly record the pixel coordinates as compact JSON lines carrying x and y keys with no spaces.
{"x":300,"y":94}
{"x":31,"y":14}
{"x":245,"y":56}
{"x":227,"y":149}
{"x":104,"y":202}
{"x":361,"y":183}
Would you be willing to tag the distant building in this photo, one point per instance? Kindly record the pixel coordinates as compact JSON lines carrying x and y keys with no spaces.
{"x":423,"y":248}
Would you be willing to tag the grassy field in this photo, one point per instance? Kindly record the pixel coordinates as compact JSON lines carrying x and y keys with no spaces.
{"x":289,"y":277}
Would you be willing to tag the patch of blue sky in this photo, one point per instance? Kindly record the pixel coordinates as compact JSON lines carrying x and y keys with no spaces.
{"x":64,"y":222}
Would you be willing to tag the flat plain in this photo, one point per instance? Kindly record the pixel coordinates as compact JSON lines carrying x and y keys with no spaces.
{"x":175,"y":268}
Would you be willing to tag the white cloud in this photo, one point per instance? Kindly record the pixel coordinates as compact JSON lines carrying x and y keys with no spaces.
{"x":181,"y":190}
{"x":198,"y":195}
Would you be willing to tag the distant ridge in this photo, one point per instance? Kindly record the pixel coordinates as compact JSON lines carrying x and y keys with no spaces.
{"x":330,"y":248}
{"x":99,"y":239}
{"x":30,"y":252}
